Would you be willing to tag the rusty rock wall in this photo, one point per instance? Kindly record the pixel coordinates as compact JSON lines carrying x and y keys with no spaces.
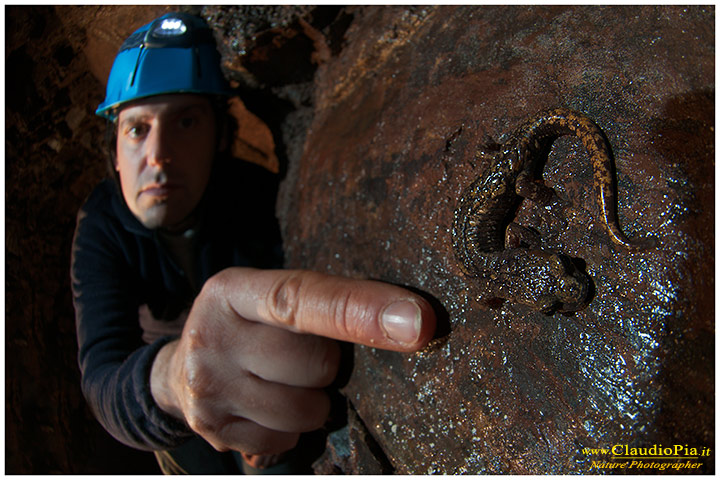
{"x":54,"y":154}
{"x":399,"y":117}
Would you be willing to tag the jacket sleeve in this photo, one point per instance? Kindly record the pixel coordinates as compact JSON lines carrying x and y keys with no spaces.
{"x":114,"y":362}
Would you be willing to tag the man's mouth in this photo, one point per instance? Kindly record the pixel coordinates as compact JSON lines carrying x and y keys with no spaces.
{"x":158,"y":189}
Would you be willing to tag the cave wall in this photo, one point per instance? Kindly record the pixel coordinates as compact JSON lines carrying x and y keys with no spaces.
{"x":54,"y":155}
{"x":374,"y":117}
{"x":402,"y":116}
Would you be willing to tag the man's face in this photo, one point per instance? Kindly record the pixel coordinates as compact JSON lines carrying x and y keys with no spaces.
{"x":165,"y":150}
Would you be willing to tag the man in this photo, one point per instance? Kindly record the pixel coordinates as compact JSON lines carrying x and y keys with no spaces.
{"x":187,"y":347}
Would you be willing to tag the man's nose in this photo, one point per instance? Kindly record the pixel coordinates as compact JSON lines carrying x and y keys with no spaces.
{"x":159,"y":147}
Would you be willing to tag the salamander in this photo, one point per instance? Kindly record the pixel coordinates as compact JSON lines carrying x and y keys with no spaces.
{"x":544,"y":280}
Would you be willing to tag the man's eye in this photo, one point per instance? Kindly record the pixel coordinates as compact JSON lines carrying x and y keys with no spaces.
{"x":137,"y":131}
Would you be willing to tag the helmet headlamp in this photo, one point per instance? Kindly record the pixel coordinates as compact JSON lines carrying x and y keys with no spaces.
{"x":170,"y":27}
{"x":177,"y":30}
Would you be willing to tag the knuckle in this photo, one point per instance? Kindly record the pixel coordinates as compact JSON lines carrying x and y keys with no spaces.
{"x":213,"y":286}
{"x":213,"y":294}
{"x":198,"y":378}
{"x":199,"y":421}
{"x":284,"y":298}
{"x":195,"y":339}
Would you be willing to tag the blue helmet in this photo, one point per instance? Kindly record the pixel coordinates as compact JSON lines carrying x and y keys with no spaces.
{"x":175,"y":53}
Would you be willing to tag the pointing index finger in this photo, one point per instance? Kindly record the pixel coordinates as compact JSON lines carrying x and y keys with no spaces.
{"x":358,"y":311}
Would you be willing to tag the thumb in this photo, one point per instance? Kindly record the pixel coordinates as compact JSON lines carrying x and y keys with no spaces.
{"x":358,"y":311}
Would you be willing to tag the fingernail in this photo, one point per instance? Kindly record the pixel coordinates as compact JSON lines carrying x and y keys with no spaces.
{"x":401,"y":321}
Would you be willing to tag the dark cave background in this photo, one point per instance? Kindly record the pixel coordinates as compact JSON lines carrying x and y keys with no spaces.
{"x":54,"y":155}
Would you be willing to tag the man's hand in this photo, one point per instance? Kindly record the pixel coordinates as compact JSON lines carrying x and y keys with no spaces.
{"x":248,"y":372}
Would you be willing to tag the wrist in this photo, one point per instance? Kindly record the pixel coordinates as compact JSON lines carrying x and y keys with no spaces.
{"x":161,"y":383}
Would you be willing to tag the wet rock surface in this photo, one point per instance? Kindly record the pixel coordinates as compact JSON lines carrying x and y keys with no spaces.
{"x":378,"y":117}
{"x":401,"y":117}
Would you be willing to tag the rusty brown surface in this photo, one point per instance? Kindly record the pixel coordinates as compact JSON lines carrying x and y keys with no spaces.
{"x":53,"y":157}
{"x":399,"y":115}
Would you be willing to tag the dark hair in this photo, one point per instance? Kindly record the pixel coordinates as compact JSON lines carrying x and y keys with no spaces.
{"x":226,"y":127}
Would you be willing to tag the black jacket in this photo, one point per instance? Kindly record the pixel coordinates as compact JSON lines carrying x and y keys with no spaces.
{"x":118,"y":266}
